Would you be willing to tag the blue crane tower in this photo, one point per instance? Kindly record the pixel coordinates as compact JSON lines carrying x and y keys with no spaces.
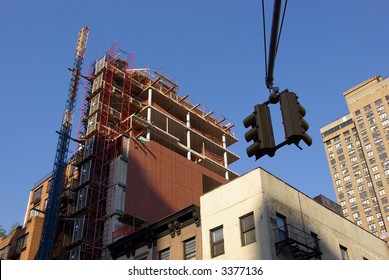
{"x":58,"y":174}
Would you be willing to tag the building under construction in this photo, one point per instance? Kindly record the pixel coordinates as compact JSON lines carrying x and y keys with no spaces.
{"x":144,"y":153}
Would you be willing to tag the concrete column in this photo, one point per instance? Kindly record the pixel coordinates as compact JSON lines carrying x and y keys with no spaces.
{"x":189,"y":154}
{"x":149,"y":112}
{"x":224,"y":141}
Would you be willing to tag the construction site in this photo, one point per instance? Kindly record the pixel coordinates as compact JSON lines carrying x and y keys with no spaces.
{"x":143,"y":152}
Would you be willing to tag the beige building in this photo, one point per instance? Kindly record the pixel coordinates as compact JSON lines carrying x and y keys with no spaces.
{"x":357,"y":148}
{"x":258,"y":216}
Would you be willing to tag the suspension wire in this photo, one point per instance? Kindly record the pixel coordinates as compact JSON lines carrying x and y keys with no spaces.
{"x":264,"y":34}
{"x":282,"y":23}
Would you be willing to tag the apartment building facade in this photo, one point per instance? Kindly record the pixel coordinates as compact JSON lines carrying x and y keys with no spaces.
{"x":357,"y":147}
{"x":23,"y":243}
{"x":258,"y":216}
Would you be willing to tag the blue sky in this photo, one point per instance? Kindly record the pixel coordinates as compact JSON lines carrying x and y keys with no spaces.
{"x":212,"y":49}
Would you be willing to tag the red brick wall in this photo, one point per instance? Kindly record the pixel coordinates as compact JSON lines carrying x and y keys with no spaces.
{"x":160,"y":181}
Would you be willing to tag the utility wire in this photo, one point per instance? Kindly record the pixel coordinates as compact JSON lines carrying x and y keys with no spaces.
{"x":264,"y":34}
{"x":282,"y":23}
{"x":274,"y":43}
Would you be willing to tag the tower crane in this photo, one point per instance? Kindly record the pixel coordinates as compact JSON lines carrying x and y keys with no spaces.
{"x":58,"y":174}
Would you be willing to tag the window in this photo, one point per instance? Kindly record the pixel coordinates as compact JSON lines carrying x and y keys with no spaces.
{"x":21,"y":243}
{"x":383,"y":156}
{"x":217,"y":241}
{"x":37,"y":194}
{"x":190,"y":249}
{"x":247,"y":229}
{"x":365,"y":202}
{"x":343,"y":252}
{"x":354,"y":207}
{"x":380,"y":149}
{"x":33,"y":211}
{"x":281,"y":227}
{"x":74,"y":254}
{"x":382,"y":192}
{"x":4,"y":252}
{"x":164,"y":254}
{"x":372,"y":227}
{"x":78,"y":228}
{"x":353,"y":199}
{"x":378,"y":102}
{"x":363,"y":194}
{"x":82,"y":198}
{"x":367,"y":210}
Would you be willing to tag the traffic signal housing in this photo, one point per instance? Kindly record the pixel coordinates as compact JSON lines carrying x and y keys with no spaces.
{"x":295,"y":126}
{"x":261,"y":132}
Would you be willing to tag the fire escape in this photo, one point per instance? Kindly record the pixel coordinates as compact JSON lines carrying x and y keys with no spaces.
{"x":300,"y":244}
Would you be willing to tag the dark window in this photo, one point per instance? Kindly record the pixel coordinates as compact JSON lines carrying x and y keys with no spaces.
{"x":343,"y":252}
{"x":281,"y":226}
{"x":217,"y":241}
{"x":21,"y":243}
{"x":37,"y":193}
{"x":247,"y":228}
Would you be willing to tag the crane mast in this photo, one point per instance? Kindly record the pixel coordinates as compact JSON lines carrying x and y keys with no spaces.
{"x":58,"y":174}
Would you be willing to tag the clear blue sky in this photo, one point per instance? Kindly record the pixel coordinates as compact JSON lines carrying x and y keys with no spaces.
{"x":212,"y":49}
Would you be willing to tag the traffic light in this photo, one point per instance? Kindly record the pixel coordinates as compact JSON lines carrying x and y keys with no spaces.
{"x":292,"y":116}
{"x":261,"y":132}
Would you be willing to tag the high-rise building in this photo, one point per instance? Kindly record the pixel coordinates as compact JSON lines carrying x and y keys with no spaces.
{"x":145,"y":152}
{"x":357,"y":147}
